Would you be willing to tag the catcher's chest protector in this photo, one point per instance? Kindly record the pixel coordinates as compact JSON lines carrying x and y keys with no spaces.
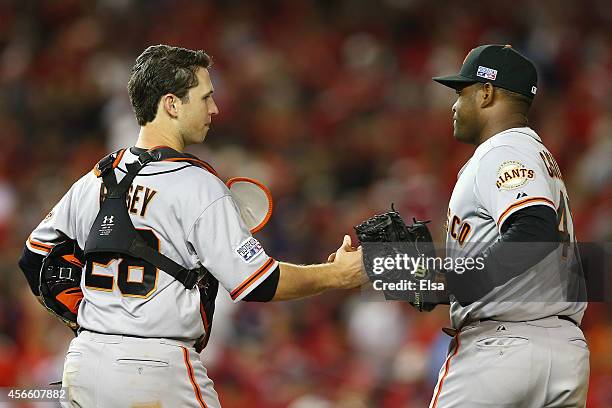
{"x":114,"y":233}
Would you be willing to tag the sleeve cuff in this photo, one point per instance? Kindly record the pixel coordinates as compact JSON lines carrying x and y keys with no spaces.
{"x":528,"y":202}
{"x":38,"y":247}
{"x":254,"y":280}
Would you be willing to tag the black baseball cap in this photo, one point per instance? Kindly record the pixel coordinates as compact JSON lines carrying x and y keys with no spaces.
{"x":501,"y":65}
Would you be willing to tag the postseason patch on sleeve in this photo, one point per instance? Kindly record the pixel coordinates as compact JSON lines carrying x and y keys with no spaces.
{"x":249,"y":249}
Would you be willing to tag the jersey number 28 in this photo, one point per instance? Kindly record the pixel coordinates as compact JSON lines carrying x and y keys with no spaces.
{"x":135,"y":278}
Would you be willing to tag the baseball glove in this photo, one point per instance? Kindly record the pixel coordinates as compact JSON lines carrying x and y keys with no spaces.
{"x":395,"y":255}
{"x":60,"y":282}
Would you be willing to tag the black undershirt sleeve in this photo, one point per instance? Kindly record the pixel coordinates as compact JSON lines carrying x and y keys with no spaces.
{"x":265,"y":291}
{"x":505,"y":258}
{"x":30,"y":263}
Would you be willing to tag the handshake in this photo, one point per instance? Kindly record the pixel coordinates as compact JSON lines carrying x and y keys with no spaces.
{"x":386,"y":237}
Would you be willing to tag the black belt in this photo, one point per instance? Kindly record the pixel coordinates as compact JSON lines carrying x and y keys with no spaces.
{"x":562,"y":317}
{"x":80,"y":330}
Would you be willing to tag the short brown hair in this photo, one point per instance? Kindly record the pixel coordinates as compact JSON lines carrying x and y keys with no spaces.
{"x":159,"y":70}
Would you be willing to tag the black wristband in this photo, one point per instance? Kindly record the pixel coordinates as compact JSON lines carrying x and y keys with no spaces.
{"x":265,"y":291}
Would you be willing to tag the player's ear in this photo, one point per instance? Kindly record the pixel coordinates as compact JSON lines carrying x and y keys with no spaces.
{"x":486,"y":94}
{"x":169,"y":103}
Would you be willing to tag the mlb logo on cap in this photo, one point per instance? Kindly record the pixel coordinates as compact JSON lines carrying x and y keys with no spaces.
{"x":488,"y":73}
{"x":499,"y":64}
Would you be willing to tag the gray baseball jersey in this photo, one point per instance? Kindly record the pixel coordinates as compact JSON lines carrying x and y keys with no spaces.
{"x":189,"y":214}
{"x":500,"y":354}
{"x":510,"y":171}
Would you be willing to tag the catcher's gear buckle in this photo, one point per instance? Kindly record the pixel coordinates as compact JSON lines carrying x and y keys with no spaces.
{"x":65,"y":273}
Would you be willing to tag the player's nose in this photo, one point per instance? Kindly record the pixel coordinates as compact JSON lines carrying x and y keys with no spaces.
{"x":212,"y":107}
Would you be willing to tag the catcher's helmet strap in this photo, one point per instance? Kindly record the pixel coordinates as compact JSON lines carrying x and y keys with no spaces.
{"x":114,"y":232}
{"x":160,"y":153}
{"x":109,"y":162}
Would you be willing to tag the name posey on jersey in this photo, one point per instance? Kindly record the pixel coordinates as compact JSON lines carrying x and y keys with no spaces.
{"x":138,"y":198}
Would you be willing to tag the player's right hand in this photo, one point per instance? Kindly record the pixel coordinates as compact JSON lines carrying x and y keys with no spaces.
{"x":349,"y":265}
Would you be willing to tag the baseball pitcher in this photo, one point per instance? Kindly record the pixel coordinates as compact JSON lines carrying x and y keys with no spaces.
{"x":516,"y":322}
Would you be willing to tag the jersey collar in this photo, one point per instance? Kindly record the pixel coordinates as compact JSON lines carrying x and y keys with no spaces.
{"x":483,"y":147}
{"x":524,"y":130}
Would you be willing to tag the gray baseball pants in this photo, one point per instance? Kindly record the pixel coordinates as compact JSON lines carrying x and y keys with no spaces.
{"x":534,"y":364}
{"x":109,"y":371}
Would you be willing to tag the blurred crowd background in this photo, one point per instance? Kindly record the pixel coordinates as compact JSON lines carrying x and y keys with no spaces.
{"x":331,"y":104}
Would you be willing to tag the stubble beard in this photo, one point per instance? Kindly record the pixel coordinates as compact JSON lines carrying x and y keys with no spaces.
{"x":465,"y":134}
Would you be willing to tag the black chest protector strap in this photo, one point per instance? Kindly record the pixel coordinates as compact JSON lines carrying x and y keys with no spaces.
{"x":113,"y":230}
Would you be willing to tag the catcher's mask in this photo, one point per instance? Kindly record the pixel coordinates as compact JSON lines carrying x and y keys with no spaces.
{"x":60,"y":280}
